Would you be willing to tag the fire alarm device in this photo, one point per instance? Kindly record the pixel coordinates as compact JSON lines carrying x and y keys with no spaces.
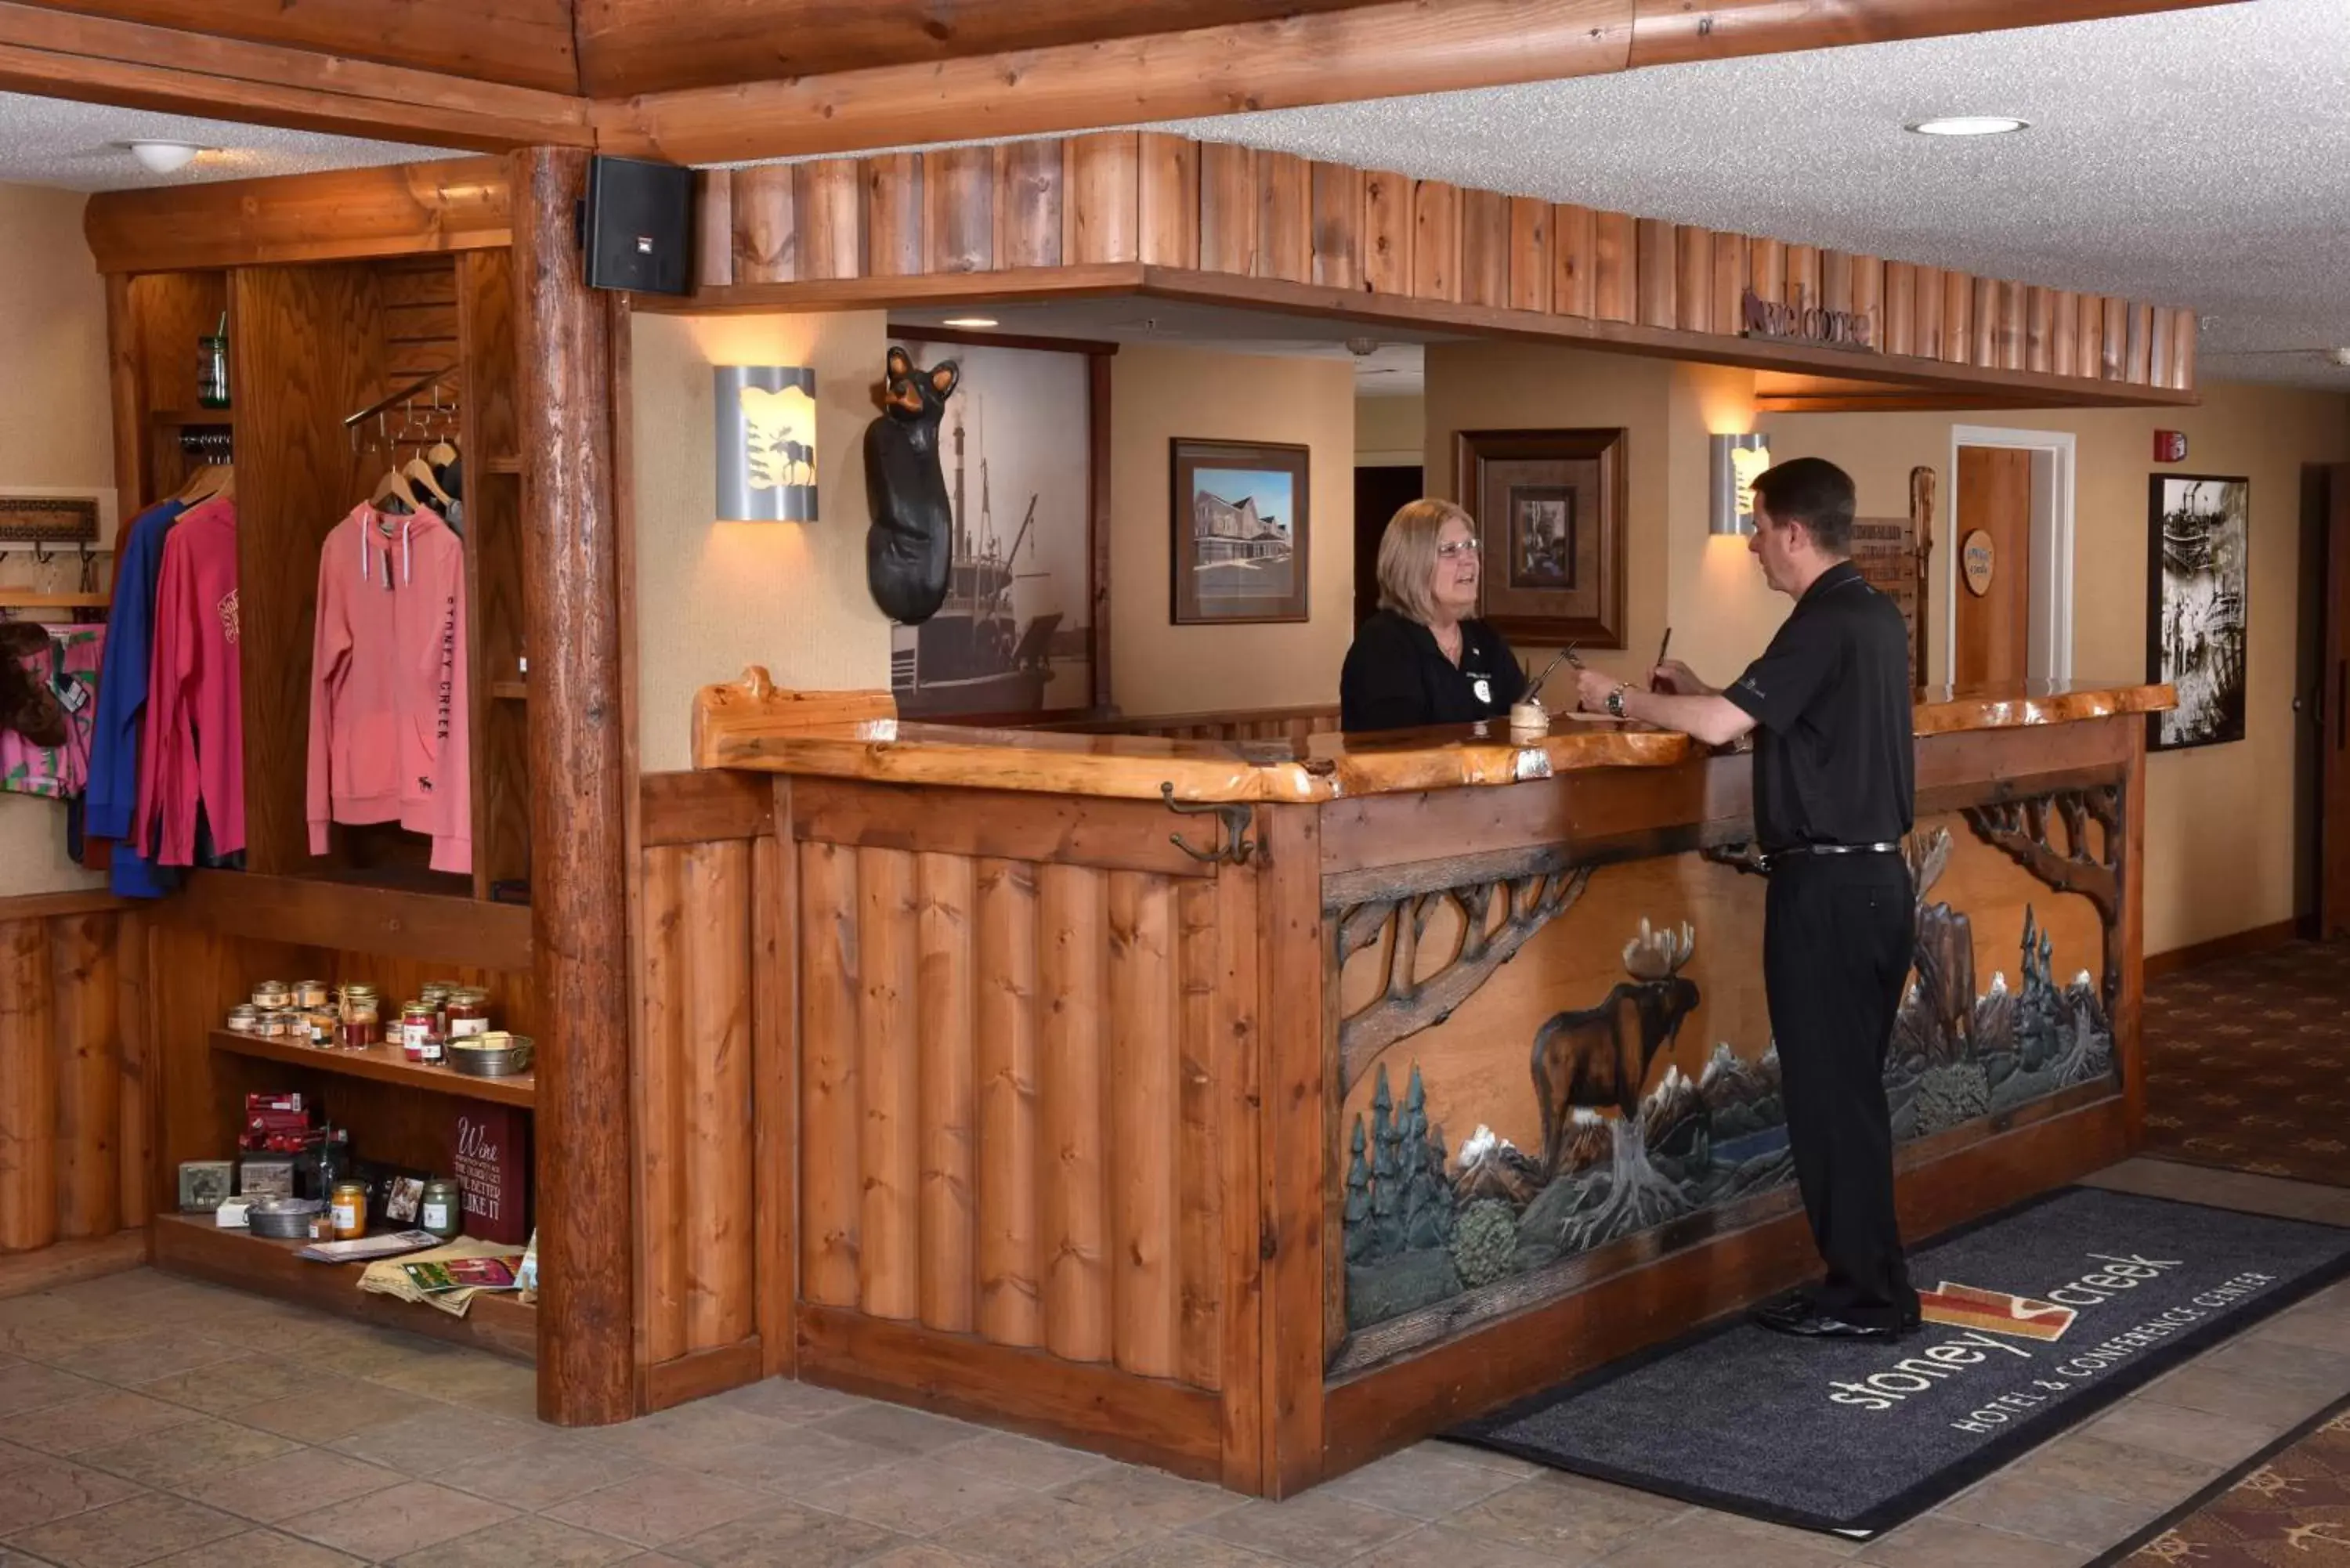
{"x":2170,"y":446}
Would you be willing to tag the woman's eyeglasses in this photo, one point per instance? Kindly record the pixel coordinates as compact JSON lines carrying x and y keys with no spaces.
{"x":1455,"y":548}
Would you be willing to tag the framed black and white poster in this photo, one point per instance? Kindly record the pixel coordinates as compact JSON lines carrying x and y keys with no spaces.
{"x":2197,"y":534}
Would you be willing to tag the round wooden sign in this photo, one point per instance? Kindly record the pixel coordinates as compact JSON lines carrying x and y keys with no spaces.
{"x":1975,"y":559}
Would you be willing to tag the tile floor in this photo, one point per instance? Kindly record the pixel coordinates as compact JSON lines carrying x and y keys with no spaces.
{"x":145,"y":1419}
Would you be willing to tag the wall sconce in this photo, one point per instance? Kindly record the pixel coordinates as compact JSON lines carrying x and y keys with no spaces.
{"x":765,"y":420}
{"x":1737,"y":460}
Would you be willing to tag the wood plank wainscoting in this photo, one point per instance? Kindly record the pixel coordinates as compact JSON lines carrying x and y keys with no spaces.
{"x":74,"y":1113}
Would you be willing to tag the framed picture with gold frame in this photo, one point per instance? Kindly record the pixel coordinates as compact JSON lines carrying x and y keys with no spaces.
{"x":1549,"y":507}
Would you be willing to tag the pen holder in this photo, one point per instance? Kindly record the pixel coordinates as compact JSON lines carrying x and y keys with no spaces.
{"x":1529,"y":722}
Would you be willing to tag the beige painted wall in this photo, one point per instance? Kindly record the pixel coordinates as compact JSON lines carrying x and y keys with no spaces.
{"x":2220,"y":819}
{"x":1389,"y":429}
{"x":713,"y":598}
{"x":56,"y":433}
{"x":1159,"y":393}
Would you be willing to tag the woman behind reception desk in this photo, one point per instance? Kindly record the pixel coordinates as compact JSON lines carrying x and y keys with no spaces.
{"x":1421,"y":659}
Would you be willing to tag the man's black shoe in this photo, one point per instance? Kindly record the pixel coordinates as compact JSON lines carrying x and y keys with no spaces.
{"x":1799,"y":1316}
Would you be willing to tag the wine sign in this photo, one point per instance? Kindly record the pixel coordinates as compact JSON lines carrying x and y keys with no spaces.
{"x":489,"y":1152}
{"x":1805,"y":322}
{"x":1885,"y":551}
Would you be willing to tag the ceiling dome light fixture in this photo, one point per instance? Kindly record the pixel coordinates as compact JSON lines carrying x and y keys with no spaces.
{"x":1969,"y":125}
{"x":163,"y":157}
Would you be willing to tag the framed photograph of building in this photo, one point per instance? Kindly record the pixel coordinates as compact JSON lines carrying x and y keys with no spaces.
{"x":2197,"y":533}
{"x":1241,"y":531}
{"x":1549,"y":507}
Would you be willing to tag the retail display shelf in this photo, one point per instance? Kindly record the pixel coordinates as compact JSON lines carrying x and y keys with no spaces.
{"x":384,"y":1064}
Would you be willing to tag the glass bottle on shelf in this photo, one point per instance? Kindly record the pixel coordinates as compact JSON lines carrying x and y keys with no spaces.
{"x":211,"y":371}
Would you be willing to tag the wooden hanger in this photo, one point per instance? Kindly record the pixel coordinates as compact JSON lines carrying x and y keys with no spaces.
{"x":394,"y":486}
{"x":420,"y":470}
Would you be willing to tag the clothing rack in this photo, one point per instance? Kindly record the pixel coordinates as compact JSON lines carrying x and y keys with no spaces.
{"x":449,"y":375}
{"x":16,"y":598}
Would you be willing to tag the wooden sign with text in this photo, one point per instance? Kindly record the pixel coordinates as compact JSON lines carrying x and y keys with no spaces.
{"x":1885,"y":551}
{"x":1803,"y":321}
{"x":489,"y":1153}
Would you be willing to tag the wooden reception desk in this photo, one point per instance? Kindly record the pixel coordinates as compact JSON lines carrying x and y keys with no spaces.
{"x":1254,"y":1109}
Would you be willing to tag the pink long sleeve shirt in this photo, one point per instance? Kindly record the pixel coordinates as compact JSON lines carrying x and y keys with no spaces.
{"x":192,"y":735}
{"x":389,"y":709}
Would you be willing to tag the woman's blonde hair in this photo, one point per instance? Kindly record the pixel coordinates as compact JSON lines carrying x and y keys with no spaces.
{"x":1407,"y":556}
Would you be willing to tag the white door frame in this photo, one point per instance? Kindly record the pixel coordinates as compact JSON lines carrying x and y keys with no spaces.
{"x":2049,"y":614}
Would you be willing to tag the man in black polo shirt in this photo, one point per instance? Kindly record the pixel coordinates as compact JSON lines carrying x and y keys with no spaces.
{"x":1834,"y":791}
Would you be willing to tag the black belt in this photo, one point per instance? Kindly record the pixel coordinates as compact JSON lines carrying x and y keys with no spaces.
{"x":1769,"y":855}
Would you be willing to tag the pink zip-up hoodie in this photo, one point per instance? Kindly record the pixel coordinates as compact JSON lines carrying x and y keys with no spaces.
{"x":192,"y":737}
{"x":389,"y":709}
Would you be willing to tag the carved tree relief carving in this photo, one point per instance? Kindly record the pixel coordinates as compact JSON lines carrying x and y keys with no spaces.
{"x":2019,"y":829}
{"x":1527,"y":898}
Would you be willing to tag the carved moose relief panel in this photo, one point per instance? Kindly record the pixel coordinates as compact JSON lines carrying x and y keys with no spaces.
{"x":1546,"y":1067}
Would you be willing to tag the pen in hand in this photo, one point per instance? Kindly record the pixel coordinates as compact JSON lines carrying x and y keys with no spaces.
{"x":1656,"y":682}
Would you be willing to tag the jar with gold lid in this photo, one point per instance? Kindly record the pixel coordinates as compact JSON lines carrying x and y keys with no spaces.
{"x":362,"y":1018}
{"x":442,"y":1210}
{"x":273,"y":995}
{"x":245,"y":1019}
{"x":468,"y":1013}
{"x":348,"y":1207}
{"x":420,"y":1032}
{"x":311,"y":995}
{"x":435,"y":994}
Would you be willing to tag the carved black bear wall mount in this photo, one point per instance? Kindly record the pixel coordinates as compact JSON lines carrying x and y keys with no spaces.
{"x":909,"y":544}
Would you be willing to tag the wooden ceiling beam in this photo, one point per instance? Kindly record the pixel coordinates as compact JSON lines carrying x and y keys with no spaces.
{"x":401,"y":209}
{"x":1681,"y":32}
{"x":96,"y":60}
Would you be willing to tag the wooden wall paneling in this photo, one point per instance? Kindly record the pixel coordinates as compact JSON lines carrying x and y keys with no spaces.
{"x":2039,"y":329}
{"x":1229,"y":211}
{"x":1729,"y":307}
{"x":766,"y":237}
{"x":1836,"y":280}
{"x":946,"y":904}
{"x":1169,"y":200}
{"x":2013,"y":325}
{"x":1574,"y":243}
{"x":1436,"y":240}
{"x":719,"y":1174}
{"x":958,"y":209}
{"x":1387,"y":231}
{"x":1027,"y":205}
{"x":579,"y":874}
{"x":1803,"y":275}
{"x":1928,"y":338}
{"x":1339,"y":225}
{"x":28,"y":1088}
{"x":1074,"y":1236}
{"x":1868,"y":295}
{"x":1958,"y":317}
{"x":893,"y":215}
{"x":831,"y":1098}
{"x":1101,"y":175}
{"x":1296,"y":1127}
{"x":1237,"y":1053}
{"x":2089,"y":351}
{"x":126,"y":397}
{"x":1657,"y":265}
{"x":1144,"y":1115}
{"x":1013,"y":1158}
{"x":2149,"y":339}
{"x":713,"y":228}
{"x":1988,"y":346}
{"x":501,"y":758}
{"x":663,"y":1136}
{"x":85,"y":984}
{"x":134,"y":1146}
{"x":1693,"y":279}
{"x":2113,"y":352}
{"x":2065,"y":334}
{"x":889,"y":1260}
{"x":1901,"y":309}
{"x":1284,"y":228}
{"x":1615,"y":257}
{"x":827,"y":202}
{"x":306,"y":342}
{"x":2182,"y":349}
{"x":775,"y":1087}
{"x":1196,"y":1218}
{"x":1530,"y":266}
{"x":1485,"y":249}
{"x":1766,"y":269}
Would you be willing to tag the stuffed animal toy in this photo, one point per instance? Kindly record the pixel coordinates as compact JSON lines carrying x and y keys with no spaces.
{"x":26,"y":704}
{"x":909,"y":544}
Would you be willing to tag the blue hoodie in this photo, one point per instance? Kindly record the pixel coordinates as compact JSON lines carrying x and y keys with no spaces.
{"x":113,"y":791}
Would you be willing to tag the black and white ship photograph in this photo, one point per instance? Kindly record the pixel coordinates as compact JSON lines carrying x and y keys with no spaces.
{"x":2195,"y":620}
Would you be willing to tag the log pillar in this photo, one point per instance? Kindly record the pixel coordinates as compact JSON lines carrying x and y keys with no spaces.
{"x":571,"y":621}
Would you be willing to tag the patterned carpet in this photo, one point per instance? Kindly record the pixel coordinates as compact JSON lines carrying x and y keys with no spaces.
{"x":2248,"y":1064}
{"x":2290,"y":1504}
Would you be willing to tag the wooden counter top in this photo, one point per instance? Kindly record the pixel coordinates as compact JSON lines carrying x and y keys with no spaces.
{"x":750,"y":724}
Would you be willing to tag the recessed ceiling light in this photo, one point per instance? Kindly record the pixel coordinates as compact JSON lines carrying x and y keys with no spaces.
{"x":1969,"y":125}
{"x":162,"y":157}
{"x":969,"y":321}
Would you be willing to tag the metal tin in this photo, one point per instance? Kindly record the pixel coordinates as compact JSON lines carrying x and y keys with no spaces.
{"x":442,"y":1211}
{"x":283,"y":1218}
{"x":312,"y":994}
{"x":272,"y":993}
{"x":494,"y":1055}
{"x":245,"y":1019}
{"x":348,"y":1204}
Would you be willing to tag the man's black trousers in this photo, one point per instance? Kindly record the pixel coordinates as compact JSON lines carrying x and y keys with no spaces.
{"x":1837,"y":938}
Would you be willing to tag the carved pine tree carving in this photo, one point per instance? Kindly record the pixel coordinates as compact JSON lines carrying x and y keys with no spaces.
{"x":2020,"y":830}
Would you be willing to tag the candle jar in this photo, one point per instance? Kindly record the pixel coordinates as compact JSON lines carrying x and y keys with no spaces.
{"x":468,"y":1013}
{"x":348,"y":1207}
{"x":362,"y":1018}
{"x":420,"y":1032}
{"x":245,"y":1019}
{"x":273,"y":996}
{"x":443,"y":1209}
{"x":435,"y":994}
{"x":311,"y":995}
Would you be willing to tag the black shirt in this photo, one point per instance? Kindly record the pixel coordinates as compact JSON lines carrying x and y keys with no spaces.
{"x":1395,"y":677}
{"x":1835,"y":757}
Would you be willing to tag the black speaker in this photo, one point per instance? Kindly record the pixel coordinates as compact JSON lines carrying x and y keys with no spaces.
{"x":639,"y":225}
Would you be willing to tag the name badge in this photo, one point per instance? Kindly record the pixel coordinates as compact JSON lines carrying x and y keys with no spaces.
{"x":1483,"y":686}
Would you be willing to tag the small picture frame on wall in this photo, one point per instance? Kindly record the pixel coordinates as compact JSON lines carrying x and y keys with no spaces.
{"x":1549,"y":507}
{"x":1241,"y":527}
{"x":2198,"y":537}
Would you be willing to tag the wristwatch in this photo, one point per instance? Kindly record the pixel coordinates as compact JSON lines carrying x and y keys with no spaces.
{"x":1616,"y":699}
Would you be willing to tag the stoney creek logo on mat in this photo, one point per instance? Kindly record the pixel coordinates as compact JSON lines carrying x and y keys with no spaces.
{"x":1994,"y":1311}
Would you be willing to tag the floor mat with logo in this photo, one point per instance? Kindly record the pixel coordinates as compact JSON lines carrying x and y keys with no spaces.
{"x":2037,"y":1318}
